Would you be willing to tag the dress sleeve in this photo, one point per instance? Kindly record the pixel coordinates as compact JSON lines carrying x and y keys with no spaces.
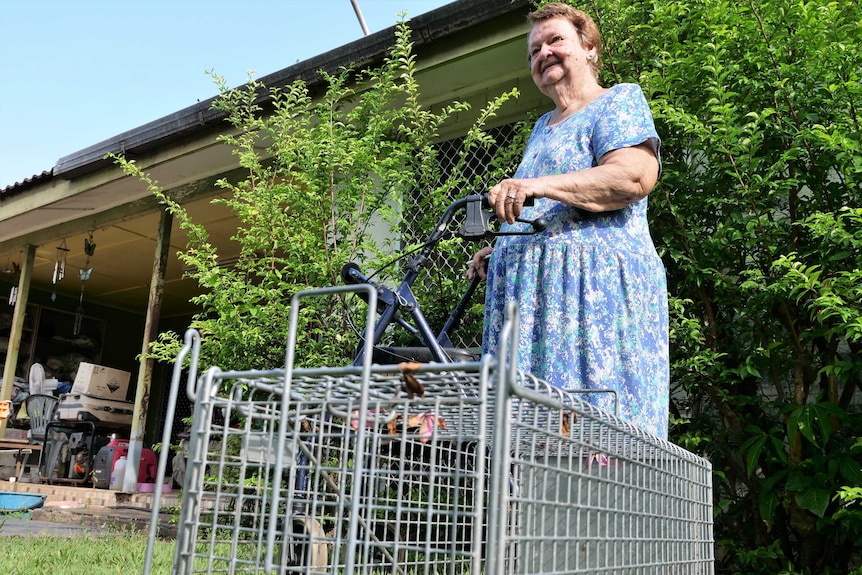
{"x":625,"y":121}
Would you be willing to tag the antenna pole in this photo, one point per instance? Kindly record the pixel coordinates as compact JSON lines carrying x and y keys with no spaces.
{"x":359,"y":16}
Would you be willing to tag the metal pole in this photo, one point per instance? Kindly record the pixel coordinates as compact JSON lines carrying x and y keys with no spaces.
{"x":359,"y":16}
{"x":15,"y":333}
{"x":145,"y":370}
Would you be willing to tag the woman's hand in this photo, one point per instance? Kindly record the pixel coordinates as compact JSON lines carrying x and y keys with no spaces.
{"x":479,"y":265}
{"x":507,"y":198}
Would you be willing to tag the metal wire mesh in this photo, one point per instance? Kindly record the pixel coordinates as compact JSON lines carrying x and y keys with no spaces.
{"x":595,"y":495}
{"x":470,"y":469}
{"x":395,"y":488}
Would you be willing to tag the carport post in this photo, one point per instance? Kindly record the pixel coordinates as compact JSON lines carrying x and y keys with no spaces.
{"x":145,"y":370}
{"x":17,"y":327}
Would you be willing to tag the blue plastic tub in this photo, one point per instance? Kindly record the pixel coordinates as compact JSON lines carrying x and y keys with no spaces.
{"x":11,"y":502}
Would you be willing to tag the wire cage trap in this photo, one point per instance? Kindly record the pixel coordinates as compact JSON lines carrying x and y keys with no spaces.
{"x":455,"y":469}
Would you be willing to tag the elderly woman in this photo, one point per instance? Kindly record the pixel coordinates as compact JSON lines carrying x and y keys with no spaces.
{"x":591,"y":289}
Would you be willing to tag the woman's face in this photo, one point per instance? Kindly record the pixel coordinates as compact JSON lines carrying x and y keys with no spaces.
{"x":556,"y":53}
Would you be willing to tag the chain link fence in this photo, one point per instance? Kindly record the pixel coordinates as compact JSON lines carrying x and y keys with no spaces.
{"x":444,"y":283}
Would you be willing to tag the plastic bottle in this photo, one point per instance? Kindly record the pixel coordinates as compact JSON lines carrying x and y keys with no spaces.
{"x":118,"y":474}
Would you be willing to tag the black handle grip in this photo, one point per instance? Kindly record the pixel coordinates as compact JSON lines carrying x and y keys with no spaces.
{"x":351,"y":274}
{"x":528,"y":201}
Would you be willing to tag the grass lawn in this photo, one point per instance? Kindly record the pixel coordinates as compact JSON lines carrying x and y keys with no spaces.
{"x":110,"y":553}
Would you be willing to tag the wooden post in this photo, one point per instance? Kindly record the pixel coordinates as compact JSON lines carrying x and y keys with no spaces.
{"x":145,"y":370}
{"x":11,"y":364}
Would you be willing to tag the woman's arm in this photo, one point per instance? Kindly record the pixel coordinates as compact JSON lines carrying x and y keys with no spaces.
{"x":622,"y":176}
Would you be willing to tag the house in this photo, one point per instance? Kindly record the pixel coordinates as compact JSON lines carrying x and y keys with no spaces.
{"x":468,"y":50}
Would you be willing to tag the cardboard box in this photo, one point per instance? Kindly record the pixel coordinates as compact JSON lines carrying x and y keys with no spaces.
{"x":100,"y":381}
{"x":101,"y":411}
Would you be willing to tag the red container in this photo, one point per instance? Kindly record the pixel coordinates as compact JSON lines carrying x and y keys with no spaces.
{"x":149,"y":464}
{"x":108,"y":455}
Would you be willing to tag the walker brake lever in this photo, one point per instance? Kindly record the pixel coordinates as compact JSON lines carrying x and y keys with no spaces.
{"x":351,"y":274}
{"x":538,"y":225}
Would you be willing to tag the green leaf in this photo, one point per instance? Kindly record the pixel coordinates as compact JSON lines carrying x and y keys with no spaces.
{"x":767,"y":504}
{"x":815,"y":500}
{"x":850,"y":470}
{"x":770,"y":498}
{"x":752,"y":449}
{"x":840,"y":256}
{"x":813,"y":420}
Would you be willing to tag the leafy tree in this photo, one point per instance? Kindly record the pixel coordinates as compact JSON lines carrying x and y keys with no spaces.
{"x":326,"y":182}
{"x":757,"y":217}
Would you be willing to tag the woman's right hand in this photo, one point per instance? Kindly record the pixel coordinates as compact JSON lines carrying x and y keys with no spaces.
{"x":479,"y":265}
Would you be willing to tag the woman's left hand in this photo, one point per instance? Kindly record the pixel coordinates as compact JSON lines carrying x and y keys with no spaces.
{"x":507,"y":198}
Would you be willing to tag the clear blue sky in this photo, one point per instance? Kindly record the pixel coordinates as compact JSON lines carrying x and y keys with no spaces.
{"x":76,"y":72}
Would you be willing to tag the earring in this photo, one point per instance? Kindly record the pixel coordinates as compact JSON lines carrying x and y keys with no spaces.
{"x":590,"y":56}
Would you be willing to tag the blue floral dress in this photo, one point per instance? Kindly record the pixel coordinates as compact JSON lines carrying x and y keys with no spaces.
{"x":591,"y":288}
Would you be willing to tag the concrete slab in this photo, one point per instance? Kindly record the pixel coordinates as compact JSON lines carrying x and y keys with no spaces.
{"x":69,"y":521}
{"x":30,"y":527}
{"x":71,"y":510}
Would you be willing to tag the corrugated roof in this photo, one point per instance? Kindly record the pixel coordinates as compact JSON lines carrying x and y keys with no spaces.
{"x":27,"y":182}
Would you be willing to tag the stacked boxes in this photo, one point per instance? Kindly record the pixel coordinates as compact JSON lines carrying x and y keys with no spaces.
{"x":98,"y":395}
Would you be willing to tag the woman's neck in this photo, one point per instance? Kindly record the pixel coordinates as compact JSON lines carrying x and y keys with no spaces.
{"x":570,"y":102}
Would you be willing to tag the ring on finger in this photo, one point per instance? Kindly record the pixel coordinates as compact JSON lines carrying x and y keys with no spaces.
{"x":511,"y":196}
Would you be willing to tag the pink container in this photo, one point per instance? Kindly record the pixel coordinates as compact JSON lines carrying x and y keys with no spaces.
{"x":151,"y":487}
